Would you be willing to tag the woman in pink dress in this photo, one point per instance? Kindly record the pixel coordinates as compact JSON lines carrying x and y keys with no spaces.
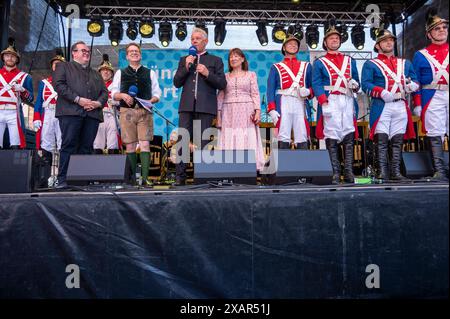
{"x":239,"y":109}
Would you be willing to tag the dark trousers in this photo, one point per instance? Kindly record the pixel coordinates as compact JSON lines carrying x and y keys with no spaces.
{"x":186,"y":121}
{"x":78,"y":135}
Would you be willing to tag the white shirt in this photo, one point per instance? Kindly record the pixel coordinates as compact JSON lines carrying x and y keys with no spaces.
{"x":115,"y":86}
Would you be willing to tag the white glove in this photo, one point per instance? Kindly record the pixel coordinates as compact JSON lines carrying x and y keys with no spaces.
{"x":411,"y":87}
{"x":275,"y":116}
{"x":387,"y":96}
{"x":326,"y":110}
{"x":417,"y":110}
{"x":37,"y":124}
{"x":304,"y":92}
{"x":18,"y":88}
{"x":353,"y":85}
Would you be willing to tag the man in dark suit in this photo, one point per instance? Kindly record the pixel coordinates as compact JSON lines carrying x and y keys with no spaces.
{"x":200,"y":76}
{"x":81,"y":96}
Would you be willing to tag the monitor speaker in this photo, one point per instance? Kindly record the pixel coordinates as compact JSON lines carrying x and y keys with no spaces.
{"x":16,"y":167}
{"x":90,"y":169}
{"x":312,"y":166}
{"x":419,"y":164}
{"x":225,"y":166}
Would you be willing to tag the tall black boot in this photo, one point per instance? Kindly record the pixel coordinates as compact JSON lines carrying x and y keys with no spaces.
{"x":301,"y":146}
{"x":98,"y":151}
{"x":44,"y":175}
{"x":396,"y":158}
{"x":284,"y":145}
{"x":113,"y":151}
{"x":348,"y":142}
{"x":332,"y":147}
{"x":437,"y":152}
{"x":381,"y":156}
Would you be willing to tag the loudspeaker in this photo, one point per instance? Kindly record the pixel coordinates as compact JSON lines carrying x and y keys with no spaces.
{"x":295,"y":165}
{"x":86,"y":169}
{"x":16,"y":171}
{"x":227,"y":166}
{"x":419,"y":164}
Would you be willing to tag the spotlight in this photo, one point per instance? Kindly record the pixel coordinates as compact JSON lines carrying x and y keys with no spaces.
{"x":147,"y":28}
{"x":181,"y":32}
{"x":295,"y":1}
{"x":343,"y":31}
{"x":312,"y":36}
{"x":296,"y":31}
{"x":358,"y":36}
{"x":95,"y":27}
{"x":278,"y":33}
{"x":115,"y":31}
{"x":219,"y":31}
{"x":201,"y":25}
{"x":165,"y":33}
{"x":261,"y":33}
{"x":374,"y":33}
{"x":132,"y":30}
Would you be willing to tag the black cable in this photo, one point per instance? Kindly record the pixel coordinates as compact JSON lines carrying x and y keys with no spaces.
{"x":39,"y":39}
{"x":64,"y":36}
{"x":92,"y":52}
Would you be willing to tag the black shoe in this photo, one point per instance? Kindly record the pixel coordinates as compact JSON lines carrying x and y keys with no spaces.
{"x":180,"y":182}
{"x":62,"y":185}
{"x":147,"y":183}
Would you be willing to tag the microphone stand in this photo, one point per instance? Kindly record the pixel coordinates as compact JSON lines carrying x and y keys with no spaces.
{"x":365,"y":148}
{"x":167,"y":141}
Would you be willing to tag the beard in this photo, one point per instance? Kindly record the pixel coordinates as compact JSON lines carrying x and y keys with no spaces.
{"x":384,"y":51}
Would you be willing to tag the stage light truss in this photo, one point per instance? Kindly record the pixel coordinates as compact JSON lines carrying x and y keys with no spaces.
{"x":232,"y":16}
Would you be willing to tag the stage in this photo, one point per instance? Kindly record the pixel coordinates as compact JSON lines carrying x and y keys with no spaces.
{"x":238,"y":241}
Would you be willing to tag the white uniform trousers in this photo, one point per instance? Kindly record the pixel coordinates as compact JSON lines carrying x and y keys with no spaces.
{"x":8,"y":118}
{"x":51,"y":132}
{"x":393,"y":120}
{"x":436,"y":116}
{"x":107,"y":133}
{"x":292,"y":118}
{"x":340,"y":121}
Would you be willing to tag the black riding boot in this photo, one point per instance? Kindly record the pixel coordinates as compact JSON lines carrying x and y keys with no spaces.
{"x":332,"y":147}
{"x":381,"y":148}
{"x":284,"y":145}
{"x":396,"y":158}
{"x":302,"y":146}
{"x":348,"y":158}
{"x":437,"y":152}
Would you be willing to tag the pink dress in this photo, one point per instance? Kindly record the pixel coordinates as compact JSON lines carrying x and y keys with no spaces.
{"x":238,"y":103}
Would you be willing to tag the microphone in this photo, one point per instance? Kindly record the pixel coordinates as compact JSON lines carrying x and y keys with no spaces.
{"x":133,"y":91}
{"x":193,"y":52}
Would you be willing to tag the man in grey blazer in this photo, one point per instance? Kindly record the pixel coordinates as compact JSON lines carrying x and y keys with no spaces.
{"x":81,"y":96}
{"x":200,"y":76}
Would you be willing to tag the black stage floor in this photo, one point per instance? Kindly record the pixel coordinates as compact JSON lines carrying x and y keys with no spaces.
{"x":362,"y":241}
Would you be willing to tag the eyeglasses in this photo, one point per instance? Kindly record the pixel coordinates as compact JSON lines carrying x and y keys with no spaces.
{"x":84,"y":51}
